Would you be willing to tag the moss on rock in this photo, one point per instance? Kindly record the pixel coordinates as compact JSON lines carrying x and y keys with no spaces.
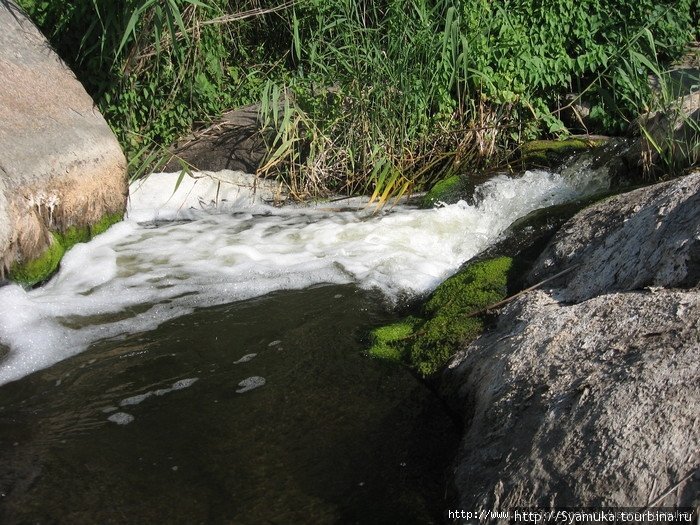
{"x":447,"y":190}
{"x":29,"y":273}
{"x":549,"y":153}
{"x":427,"y":344}
{"x":32,"y":272}
{"x":389,"y":342}
{"x":76,"y":234}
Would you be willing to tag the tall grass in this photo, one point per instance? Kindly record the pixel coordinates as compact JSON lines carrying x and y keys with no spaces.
{"x":385,"y":96}
{"x":365,"y":96}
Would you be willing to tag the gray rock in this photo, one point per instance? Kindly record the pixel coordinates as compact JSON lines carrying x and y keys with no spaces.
{"x":60,"y":165}
{"x":647,"y":237}
{"x":587,"y":394}
{"x":234,"y":142}
{"x":593,"y":404}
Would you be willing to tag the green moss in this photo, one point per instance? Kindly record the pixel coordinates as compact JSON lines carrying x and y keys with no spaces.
{"x":103,"y":224}
{"x":427,"y":344}
{"x":32,"y":272}
{"x":448,"y":324}
{"x":76,"y":234}
{"x":447,"y":190}
{"x":391,"y":342}
{"x":548,"y":153}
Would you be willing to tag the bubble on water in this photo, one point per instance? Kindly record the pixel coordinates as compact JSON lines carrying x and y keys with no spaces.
{"x":250,"y":383}
{"x":135,"y":400}
{"x":184,"y":383}
{"x":245,"y":359}
{"x":121,"y":418}
{"x":140,"y":398}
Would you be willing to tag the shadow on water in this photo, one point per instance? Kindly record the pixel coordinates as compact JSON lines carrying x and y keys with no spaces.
{"x":331,"y":437}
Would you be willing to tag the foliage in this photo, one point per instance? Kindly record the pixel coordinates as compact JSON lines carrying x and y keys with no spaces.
{"x":671,"y":134}
{"x":448,"y":318}
{"x":391,"y":94}
{"x":361,"y":96}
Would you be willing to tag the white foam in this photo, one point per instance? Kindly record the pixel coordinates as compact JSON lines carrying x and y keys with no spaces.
{"x":121,"y":418}
{"x":250,"y":383}
{"x":140,"y":398}
{"x":135,"y":276}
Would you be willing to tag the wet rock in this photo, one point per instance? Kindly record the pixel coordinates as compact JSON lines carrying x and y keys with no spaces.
{"x":61,"y":167}
{"x":456,"y":188}
{"x":552,"y":153}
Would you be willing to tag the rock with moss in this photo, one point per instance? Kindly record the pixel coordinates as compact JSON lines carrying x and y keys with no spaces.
{"x":455,"y":188}
{"x":38,"y":269}
{"x":448,"y":190}
{"x":551,"y":153}
{"x":450,"y":318}
{"x":62,"y":171}
{"x":389,"y":342}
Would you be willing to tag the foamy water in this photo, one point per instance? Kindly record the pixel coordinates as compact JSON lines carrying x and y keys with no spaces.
{"x":178,"y":252}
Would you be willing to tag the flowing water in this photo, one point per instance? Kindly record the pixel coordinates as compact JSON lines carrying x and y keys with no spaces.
{"x":204,"y":364}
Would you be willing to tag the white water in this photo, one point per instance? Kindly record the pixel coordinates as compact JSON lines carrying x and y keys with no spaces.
{"x":141,"y":273}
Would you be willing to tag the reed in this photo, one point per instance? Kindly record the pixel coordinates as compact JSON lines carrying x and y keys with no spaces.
{"x":358,"y":96}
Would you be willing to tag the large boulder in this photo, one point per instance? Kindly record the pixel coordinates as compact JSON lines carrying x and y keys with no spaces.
{"x":585,"y":394}
{"x":647,"y":237}
{"x":62,"y":171}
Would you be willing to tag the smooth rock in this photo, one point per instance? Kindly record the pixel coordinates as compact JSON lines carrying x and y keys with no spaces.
{"x":60,"y":164}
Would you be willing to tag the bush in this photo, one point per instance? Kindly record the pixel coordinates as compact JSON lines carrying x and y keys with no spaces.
{"x":362,"y":95}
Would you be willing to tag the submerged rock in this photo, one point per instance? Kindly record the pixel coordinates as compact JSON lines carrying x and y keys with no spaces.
{"x":62,"y":172}
{"x":586,"y":394}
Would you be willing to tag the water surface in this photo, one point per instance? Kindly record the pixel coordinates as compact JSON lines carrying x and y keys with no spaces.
{"x":331,"y":436}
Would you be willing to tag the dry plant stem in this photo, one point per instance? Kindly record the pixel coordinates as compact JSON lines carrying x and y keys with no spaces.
{"x":522,"y":292}
{"x":249,"y":14}
{"x":670,"y":490}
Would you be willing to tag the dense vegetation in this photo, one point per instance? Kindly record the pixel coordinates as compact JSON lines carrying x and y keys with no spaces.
{"x":366,"y":95}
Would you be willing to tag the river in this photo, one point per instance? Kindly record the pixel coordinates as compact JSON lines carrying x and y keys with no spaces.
{"x":203,"y":363}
